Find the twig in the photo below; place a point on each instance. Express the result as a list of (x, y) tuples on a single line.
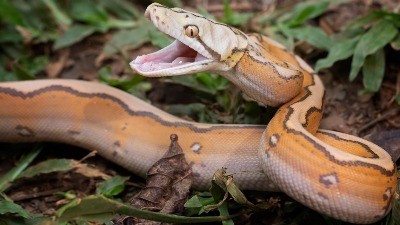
[(24, 196), (384, 116)]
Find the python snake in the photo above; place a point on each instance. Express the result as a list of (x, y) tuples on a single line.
[(336, 174)]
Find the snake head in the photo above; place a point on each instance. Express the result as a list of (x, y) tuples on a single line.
[(201, 44)]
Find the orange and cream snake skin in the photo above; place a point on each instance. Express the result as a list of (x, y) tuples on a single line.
[(336, 174)]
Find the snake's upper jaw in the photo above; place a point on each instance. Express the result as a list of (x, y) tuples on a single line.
[(175, 59)]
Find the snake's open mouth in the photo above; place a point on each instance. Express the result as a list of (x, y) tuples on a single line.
[(175, 56)]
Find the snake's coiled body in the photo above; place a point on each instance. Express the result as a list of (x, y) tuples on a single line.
[(337, 174)]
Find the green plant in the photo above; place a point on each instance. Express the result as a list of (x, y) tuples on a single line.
[(364, 39), (365, 47)]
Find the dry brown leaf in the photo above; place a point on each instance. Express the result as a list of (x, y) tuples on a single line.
[(167, 187), (55, 66), (88, 171)]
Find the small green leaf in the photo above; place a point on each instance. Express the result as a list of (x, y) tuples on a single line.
[(11, 207), (374, 39), (13, 51), (206, 79), (133, 84), (339, 51), (195, 205), (127, 39), (117, 24), (218, 188), (313, 35), (227, 10), (193, 202), (252, 112), (287, 38), (240, 19), (373, 71), (191, 82), (10, 176), (36, 65), (48, 166), (275, 33), (205, 13), (27, 68), (95, 211), (364, 20), (6, 75), (393, 17), (58, 14), (22, 74), (10, 14), (33, 220), (112, 186), (223, 211), (67, 195), (219, 194), (88, 11), (159, 39), (9, 34), (122, 8), (208, 116), (73, 35), (304, 11), (233, 18)]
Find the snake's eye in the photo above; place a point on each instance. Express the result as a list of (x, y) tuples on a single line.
[(191, 31)]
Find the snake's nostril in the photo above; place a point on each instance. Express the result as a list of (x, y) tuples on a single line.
[(147, 14)]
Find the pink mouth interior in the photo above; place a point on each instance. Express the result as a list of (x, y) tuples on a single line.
[(175, 55)]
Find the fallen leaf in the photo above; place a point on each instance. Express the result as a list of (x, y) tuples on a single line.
[(54, 67), (167, 186)]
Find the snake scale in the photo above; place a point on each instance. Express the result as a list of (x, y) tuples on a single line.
[(336, 174)]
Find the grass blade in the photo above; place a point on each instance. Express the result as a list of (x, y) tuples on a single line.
[(9, 13), (74, 35), (58, 14), (374, 39), (127, 39), (313, 35), (6, 179), (339, 51), (10, 207), (373, 71), (305, 11), (48, 166), (364, 20), (96, 206)]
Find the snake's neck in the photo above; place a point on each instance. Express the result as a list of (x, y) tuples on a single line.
[(261, 75)]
